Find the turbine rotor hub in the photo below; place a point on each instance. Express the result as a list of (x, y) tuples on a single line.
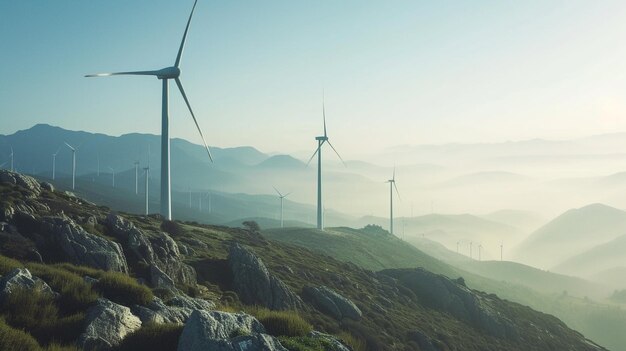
[(168, 73)]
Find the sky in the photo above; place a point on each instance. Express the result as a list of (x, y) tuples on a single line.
[(392, 72)]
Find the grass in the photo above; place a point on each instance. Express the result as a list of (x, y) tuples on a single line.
[(152, 337), (76, 294), (281, 323), (355, 343), (16, 340), (121, 288)]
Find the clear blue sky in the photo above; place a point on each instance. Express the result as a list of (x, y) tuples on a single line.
[(395, 72)]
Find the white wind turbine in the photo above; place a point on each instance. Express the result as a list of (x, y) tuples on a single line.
[(165, 75), (282, 197), (54, 163), (392, 186), (147, 172), (73, 165), (136, 177), (320, 142), (11, 155), (113, 173)]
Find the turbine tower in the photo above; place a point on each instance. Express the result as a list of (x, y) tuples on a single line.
[(470, 250), (392, 185), (136, 177), (165, 75), (12, 157), (320, 142), (147, 171), (54, 163), (282, 197), (73, 165), (113, 172)]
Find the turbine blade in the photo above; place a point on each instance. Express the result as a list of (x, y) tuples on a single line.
[(182, 43), (397, 192), (70, 146), (394, 173), (182, 91), (279, 194), (324, 114), (315, 153), (286, 194), (342, 161), (136, 73)]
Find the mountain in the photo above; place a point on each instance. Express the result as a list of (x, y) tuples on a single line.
[(601, 258), (281, 161), (202, 274), (526, 221), (490, 177), (571, 233)]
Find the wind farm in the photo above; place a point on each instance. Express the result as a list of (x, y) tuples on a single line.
[(500, 122)]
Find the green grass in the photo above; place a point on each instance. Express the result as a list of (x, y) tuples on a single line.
[(153, 337), (16, 340), (281, 323), (123, 289)]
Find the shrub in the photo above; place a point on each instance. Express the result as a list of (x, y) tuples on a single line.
[(16, 340), (281, 323), (76, 294), (153, 337), (65, 329), (172, 228), (123, 289)]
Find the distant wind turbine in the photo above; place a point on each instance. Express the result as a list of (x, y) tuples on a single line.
[(282, 197), (210, 205), (73, 165), (12, 157), (320, 142), (470, 249), (457, 246), (113, 173), (392, 186), (136, 177), (147, 172), (54, 163), (166, 74)]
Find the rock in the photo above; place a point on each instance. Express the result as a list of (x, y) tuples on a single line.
[(83, 248), (29, 183), (256, 285), (423, 341), (332, 303), (158, 312), (89, 280), (219, 331), (107, 325), (327, 339), (47, 186), (21, 278), (194, 303), (159, 250), (159, 279), (449, 296)]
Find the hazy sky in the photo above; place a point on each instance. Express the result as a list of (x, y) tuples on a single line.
[(394, 72)]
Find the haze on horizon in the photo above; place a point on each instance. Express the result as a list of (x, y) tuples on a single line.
[(399, 73)]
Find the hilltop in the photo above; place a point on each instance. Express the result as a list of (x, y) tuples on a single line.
[(202, 274)]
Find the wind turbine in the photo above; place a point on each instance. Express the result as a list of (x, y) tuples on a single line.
[(470, 250), (166, 74), (457, 246), (147, 171), (113, 172), (392, 185), (73, 165), (282, 197), (12, 156), (136, 177), (320, 142), (54, 163)]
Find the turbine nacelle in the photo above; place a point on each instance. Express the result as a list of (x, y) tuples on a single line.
[(168, 73), (322, 138)]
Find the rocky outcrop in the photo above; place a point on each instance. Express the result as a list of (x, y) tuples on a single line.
[(332, 303), (256, 285), (21, 278), (223, 331), (194, 303), (424, 342), (159, 313), (455, 298), (82, 248), (26, 182), (158, 251), (333, 343), (107, 324)]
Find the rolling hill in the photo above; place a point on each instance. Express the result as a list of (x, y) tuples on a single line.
[(601, 258)]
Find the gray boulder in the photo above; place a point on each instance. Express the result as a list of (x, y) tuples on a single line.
[(184, 301), (83, 248), (47, 186), (159, 313), (168, 258), (160, 279), (23, 181), (223, 331), (256, 285), (332, 303), (107, 324), (21, 278)]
